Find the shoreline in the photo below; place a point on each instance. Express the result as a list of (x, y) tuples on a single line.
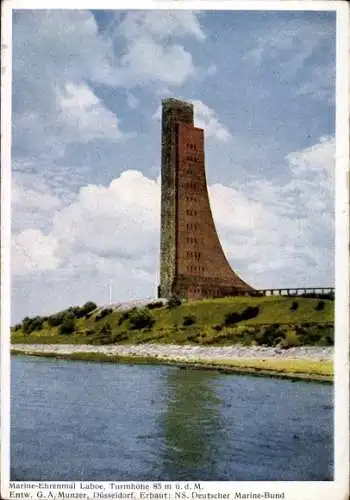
[(298, 363)]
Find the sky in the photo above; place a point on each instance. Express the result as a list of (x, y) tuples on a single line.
[(86, 95)]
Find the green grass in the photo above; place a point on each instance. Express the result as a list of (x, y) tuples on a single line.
[(292, 366), (306, 325)]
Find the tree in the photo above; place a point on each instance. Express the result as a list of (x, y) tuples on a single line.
[(88, 307), (67, 326), (56, 319), (29, 325), (141, 318)]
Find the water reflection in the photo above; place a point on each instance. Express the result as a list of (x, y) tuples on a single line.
[(191, 425), (130, 422)]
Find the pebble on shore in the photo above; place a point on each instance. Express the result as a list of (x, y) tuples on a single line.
[(185, 352)]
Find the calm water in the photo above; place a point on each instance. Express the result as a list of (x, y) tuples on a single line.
[(99, 421)]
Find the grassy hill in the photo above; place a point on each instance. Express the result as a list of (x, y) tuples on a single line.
[(283, 321)]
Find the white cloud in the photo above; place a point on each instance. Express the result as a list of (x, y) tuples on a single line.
[(286, 227), (147, 61), (32, 251), (83, 116), (51, 46), (315, 159), (205, 118), (289, 48), (54, 55), (132, 101), (273, 234), (161, 24), (59, 54), (32, 200), (118, 221), (150, 54), (313, 170), (64, 45), (32, 204), (320, 84), (295, 38)]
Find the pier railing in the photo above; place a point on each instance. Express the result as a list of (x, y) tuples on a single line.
[(326, 292)]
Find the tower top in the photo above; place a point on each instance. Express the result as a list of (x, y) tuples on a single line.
[(174, 110), (171, 102)]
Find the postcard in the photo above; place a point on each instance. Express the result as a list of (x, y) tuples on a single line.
[(175, 250)]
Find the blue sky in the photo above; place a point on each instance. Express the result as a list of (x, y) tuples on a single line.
[(87, 86)]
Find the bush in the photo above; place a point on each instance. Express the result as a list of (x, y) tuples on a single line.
[(324, 342), (26, 325), (155, 305), (106, 330), (278, 341), (231, 318), (313, 337), (90, 331), (140, 318), (75, 310), (119, 337), (67, 326), (17, 327), (56, 319), (291, 340), (83, 311), (320, 305), (218, 328), (189, 320), (302, 330), (88, 307), (104, 335), (329, 296), (174, 302), (103, 313), (313, 295), (193, 337), (294, 305), (125, 315), (30, 325), (249, 313), (268, 335)]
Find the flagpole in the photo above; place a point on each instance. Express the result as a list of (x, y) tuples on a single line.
[(110, 292)]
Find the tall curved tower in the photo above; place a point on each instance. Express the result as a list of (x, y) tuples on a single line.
[(192, 262)]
